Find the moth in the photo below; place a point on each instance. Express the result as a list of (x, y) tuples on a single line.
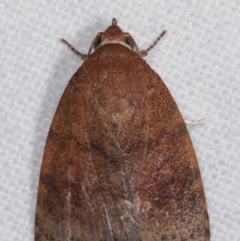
[(119, 164)]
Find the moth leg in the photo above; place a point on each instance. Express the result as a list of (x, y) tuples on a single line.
[(143, 53), (194, 122), (82, 56)]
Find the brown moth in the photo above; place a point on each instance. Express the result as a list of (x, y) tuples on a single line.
[(119, 164)]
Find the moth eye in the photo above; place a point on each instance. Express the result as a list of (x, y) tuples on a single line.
[(97, 42), (130, 42)]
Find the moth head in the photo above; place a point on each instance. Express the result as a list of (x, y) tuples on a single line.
[(114, 34)]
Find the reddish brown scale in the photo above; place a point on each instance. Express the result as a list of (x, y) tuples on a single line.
[(119, 164)]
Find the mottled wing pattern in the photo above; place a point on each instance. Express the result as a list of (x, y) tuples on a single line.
[(119, 163)]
